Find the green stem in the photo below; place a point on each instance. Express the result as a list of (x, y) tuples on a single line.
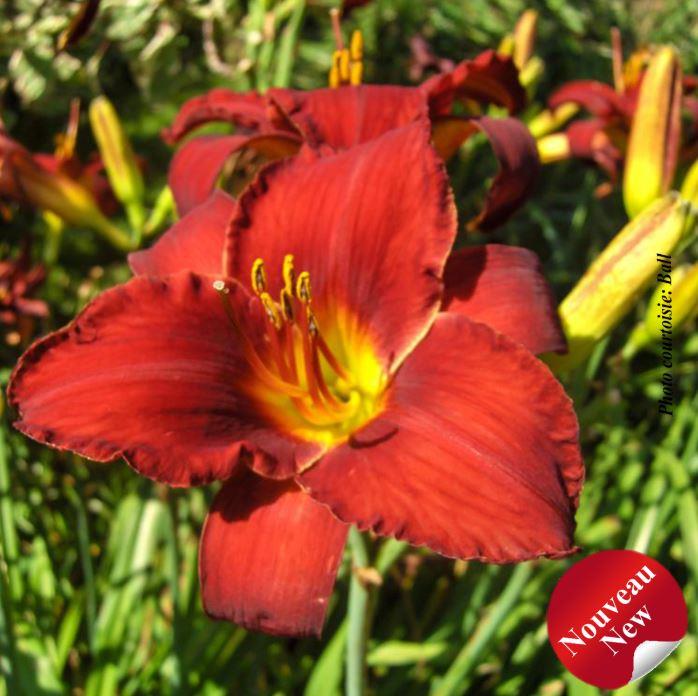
[(113, 234), (358, 618), (136, 218), (83, 534), (10, 543), (162, 212), (455, 680)]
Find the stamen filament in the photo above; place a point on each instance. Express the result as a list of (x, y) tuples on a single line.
[(332, 403), (269, 378)]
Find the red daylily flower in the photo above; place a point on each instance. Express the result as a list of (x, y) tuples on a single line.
[(355, 391), (603, 137), (277, 123)]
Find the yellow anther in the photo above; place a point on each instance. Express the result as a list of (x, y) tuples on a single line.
[(344, 74), (334, 78), (286, 303), (303, 287), (258, 277), (271, 308), (289, 274), (356, 46), (357, 73)]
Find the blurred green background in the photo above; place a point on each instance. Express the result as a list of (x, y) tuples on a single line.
[(98, 576)]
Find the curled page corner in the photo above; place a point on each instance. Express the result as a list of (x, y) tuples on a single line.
[(649, 654)]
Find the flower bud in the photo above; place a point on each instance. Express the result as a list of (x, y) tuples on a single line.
[(525, 38), (616, 279), (655, 133), (119, 161)]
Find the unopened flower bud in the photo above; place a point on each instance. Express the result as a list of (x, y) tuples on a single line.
[(525, 38), (616, 279), (655, 133), (119, 161)]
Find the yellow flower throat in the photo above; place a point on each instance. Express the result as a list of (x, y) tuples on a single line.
[(319, 386)]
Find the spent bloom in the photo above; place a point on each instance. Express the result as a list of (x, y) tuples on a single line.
[(309, 346)]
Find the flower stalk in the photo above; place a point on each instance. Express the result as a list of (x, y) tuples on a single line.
[(358, 617)]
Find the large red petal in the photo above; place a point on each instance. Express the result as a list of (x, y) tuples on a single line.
[(195, 243), (489, 78), (347, 116), (196, 166), (243, 109), (504, 287), (373, 226), (151, 371), (476, 455), (268, 557)]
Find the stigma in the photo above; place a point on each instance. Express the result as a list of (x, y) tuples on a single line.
[(295, 372)]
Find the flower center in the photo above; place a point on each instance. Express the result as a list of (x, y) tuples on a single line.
[(319, 385)]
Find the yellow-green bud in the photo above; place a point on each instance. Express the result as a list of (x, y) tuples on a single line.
[(119, 161), (655, 133), (616, 279)]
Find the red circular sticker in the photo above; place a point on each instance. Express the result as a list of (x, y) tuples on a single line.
[(614, 616)]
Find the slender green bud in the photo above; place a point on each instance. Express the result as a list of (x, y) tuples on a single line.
[(119, 161)]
